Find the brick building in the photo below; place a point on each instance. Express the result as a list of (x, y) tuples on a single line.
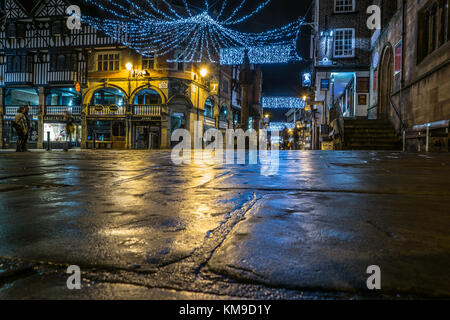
[(410, 69), (342, 55)]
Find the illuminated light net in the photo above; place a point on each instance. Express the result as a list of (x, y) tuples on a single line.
[(282, 103), (190, 35)]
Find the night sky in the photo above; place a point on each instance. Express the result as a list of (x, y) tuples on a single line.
[(279, 79)]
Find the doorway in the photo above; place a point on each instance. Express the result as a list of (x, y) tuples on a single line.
[(386, 83)]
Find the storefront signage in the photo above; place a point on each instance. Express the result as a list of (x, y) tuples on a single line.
[(306, 80), (98, 108), (325, 84), (214, 87), (398, 57), (113, 108), (78, 87), (164, 85)]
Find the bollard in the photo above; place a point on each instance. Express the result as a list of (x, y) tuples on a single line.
[(93, 140), (428, 139), (48, 141)]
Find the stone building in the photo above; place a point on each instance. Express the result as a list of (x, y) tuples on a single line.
[(119, 99), (341, 56), (410, 70)]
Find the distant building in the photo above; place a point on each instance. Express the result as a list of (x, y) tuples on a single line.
[(341, 52)]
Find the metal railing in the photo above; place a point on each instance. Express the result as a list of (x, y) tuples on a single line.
[(12, 110), (62, 110), (146, 110), (399, 116), (210, 122), (106, 110)]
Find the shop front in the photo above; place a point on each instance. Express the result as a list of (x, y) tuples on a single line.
[(14, 99), (146, 120), (62, 107), (106, 120)]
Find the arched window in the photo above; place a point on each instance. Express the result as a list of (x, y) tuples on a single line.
[(108, 97), (223, 116), (147, 97), (209, 108)]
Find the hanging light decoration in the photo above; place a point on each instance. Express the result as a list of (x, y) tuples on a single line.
[(283, 103), (189, 35)]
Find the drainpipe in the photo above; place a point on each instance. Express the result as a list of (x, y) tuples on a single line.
[(402, 79), (403, 42)]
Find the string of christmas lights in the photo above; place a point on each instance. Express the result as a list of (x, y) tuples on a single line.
[(280, 126), (189, 35), (282, 103)]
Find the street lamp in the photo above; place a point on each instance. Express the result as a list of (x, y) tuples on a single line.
[(129, 66), (204, 72)]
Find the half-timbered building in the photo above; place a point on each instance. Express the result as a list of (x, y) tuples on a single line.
[(119, 99)]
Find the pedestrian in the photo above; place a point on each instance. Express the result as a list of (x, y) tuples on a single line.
[(70, 128), (20, 125), (26, 109)]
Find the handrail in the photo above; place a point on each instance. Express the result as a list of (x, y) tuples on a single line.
[(402, 124)]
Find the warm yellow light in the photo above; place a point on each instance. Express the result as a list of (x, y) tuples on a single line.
[(129, 66), (204, 72), (304, 98), (266, 116)]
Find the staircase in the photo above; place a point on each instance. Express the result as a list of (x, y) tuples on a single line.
[(370, 135)]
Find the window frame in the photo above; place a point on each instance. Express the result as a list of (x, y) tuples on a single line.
[(353, 39), (106, 64), (344, 11)]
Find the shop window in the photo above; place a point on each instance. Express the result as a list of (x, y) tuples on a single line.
[(433, 28), (108, 97), (118, 129), (62, 97), (108, 62), (148, 97), (21, 97), (209, 108)]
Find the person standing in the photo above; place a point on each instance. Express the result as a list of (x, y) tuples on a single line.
[(70, 128), (21, 127), (26, 109)]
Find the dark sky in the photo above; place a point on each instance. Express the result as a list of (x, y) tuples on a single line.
[(279, 79)]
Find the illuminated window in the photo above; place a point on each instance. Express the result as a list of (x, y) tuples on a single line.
[(148, 63), (108, 62), (341, 6), (344, 43)]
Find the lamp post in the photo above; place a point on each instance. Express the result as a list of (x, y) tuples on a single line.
[(129, 67)]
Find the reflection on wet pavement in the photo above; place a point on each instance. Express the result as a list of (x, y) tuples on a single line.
[(309, 230)]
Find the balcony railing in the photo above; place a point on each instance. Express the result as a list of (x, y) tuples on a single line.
[(62, 77), (18, 77), (12, 110), (146, 110), (223, 125), (210, 122), (113, 110), (62, 110)]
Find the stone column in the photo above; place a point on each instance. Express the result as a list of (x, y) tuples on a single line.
[(40, 142)]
